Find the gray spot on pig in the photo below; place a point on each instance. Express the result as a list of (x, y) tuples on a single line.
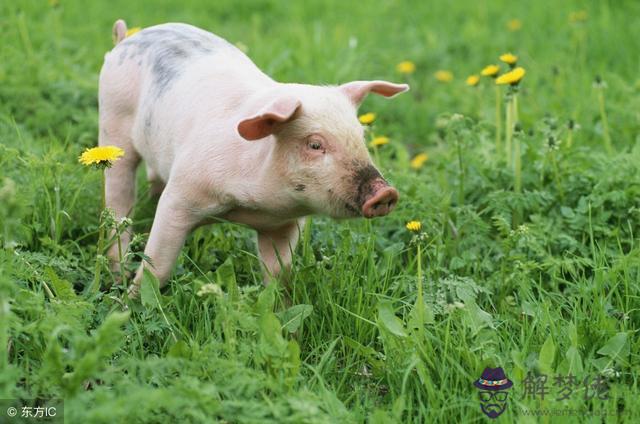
[(168, 50), (166, 66), (148, 120), (122, 56), (366, 173), (300, 187), (362, 178)]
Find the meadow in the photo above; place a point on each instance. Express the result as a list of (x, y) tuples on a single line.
[(525, 261)]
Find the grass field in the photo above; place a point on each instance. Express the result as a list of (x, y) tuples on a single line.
[(534, 270)]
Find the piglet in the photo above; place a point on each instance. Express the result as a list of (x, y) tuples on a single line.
[(222, 141)]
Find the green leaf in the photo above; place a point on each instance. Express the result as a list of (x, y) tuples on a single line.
[(226, 277), (392, 251), (415, 318), (529, 309), (271, 329), (574, 361), (567, 212), (293, 350), (399, 405), (373, 357), (601, 363), (62, 288), (616, 348), (573, 334), (266, 299), (328, 358), (150, 290), (292, 318), (109, 335), (547, 354), (476, 318), (380, 416), (272, 345), (92, 353), (180, 349), (389, 321)]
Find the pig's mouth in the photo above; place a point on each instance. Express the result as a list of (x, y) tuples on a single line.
[(342, 207), (352, 210)]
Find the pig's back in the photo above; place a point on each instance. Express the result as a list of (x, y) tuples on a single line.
[(166, 76), (167, 51)]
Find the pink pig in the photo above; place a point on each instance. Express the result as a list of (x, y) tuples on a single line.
[(222, 140)]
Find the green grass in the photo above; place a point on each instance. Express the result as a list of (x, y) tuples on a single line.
[(542, 281)]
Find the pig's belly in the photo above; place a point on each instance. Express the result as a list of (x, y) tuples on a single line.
[(260, 220)]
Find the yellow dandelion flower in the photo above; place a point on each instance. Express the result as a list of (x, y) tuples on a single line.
[(419, 160), (578, 16), (367, 118), (509, 59), (512, 77), (514, 25), (101, 156), (406, 67), (414, 226), (444, 76), (132, 31), (490, 71), (473, 80), (379, 141)]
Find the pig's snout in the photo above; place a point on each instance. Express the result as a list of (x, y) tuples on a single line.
[(382, 200)]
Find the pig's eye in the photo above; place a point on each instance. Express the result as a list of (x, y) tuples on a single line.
[(315, 145)]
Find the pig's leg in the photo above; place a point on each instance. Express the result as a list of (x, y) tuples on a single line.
[(276, 247), (120, 178), (172, 223)]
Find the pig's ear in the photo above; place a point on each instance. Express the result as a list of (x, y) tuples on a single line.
[(263, 123), (358, 90)]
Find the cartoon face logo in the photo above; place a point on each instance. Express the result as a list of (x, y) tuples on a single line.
[(493, 386)]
